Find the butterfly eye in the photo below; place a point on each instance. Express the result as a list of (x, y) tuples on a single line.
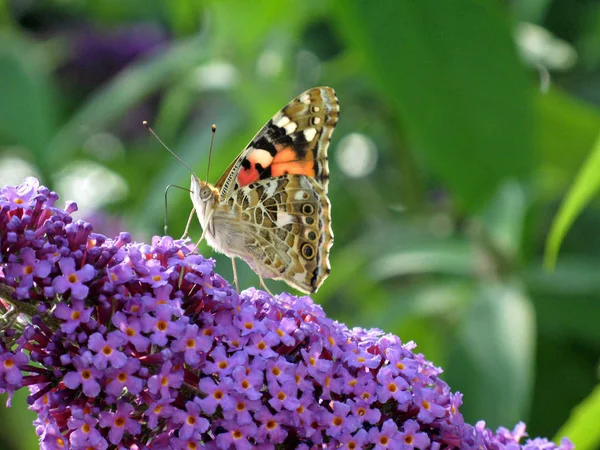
[(205, 193)]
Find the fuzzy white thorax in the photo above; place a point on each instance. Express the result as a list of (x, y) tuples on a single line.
[(223, 232)]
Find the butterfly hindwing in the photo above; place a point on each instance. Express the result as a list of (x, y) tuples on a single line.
[(287, 229)]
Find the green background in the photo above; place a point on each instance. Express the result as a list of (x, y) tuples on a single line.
[(463, 126)]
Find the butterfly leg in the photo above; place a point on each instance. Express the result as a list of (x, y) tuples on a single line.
[(235, 276), (262, 283), (189, 222), (204, 230), (199, 241)]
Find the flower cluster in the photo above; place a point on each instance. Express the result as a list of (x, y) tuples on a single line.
[(127, 345)]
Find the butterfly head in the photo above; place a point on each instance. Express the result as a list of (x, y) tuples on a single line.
[(203, 195)]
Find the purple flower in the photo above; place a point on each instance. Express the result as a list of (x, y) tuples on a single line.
[(131, 328), (411, 438), (364, 413), (237, 436), (216, 395), (285, 396), (120, 274), (85, 433), (223, 364), (162, 296), (72, 279), (246, 321), (429, 410), (167, 380), (190, 420), (387, 437), (402, 364), (271, 429), (157, 276), (85, 375), (392, 387), (261, 345), (20, 196), (284, 330), (107, 350), (72, 315), (280, 370), (362, 359), (339, 421), (123, 377), (162, 325), (248, 382), (30, 267), (160, 409), (10, 368), (244, 410), (360, 439), (119, 422), (314, 363), (192, 343), (167, 355)]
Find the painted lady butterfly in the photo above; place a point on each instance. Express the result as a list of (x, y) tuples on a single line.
[(270, 207)]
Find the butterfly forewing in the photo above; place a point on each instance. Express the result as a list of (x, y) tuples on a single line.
[(294, 141)]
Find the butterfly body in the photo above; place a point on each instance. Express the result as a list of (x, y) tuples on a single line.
[(270, 207)]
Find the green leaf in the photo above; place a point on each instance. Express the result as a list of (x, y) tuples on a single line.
[(584, 187), (493, 362), (451, 72), (131, 86), (503, 219), (184, 15), (565, 123), (26, 116), (15, 423), (559, 297), (452, 258), (582, 427), (531, 10)]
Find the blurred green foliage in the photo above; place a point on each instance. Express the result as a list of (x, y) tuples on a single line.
[(463, 124)]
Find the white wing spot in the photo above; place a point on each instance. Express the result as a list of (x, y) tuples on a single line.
[(284, 219), (305, 99), (316, 120), (300, 195), (316, 109), (290, 127), (300, 278), (282, 121), (310, 133), (270, 190)]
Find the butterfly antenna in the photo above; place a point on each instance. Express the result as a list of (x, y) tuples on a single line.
[(147, 125), (212, 141)]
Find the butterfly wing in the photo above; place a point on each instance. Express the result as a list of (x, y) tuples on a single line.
[(294, 141), (279, 184)]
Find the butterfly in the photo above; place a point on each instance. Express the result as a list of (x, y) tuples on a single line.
[(270, 207)]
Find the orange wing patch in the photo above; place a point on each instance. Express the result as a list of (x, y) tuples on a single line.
[(249, 172), (259, 164), (286, 161)]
